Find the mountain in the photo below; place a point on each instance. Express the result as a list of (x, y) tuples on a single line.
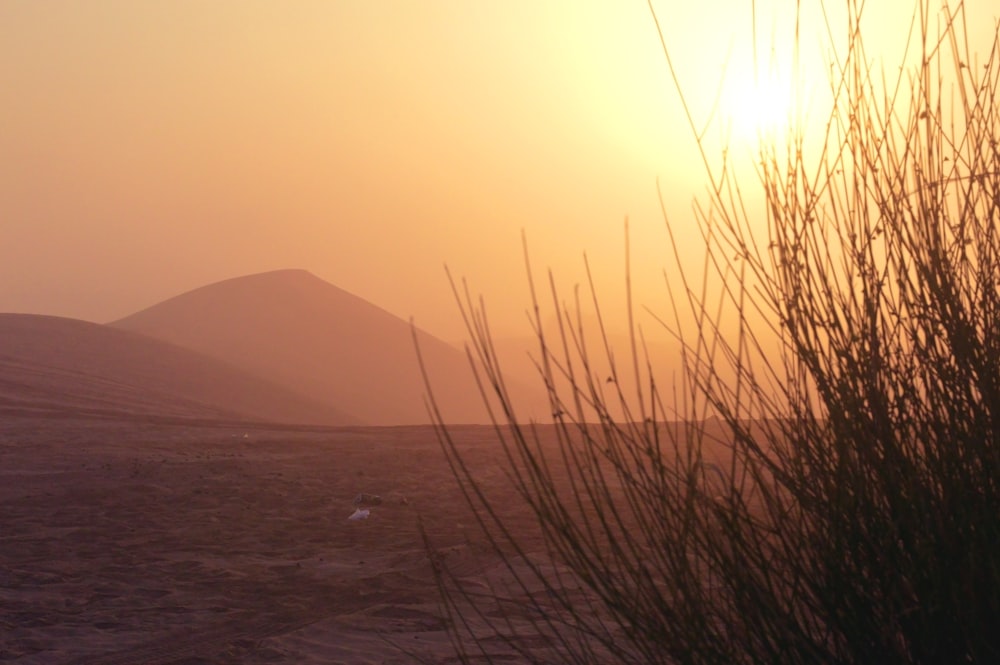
[(295, 330), (56, 366)]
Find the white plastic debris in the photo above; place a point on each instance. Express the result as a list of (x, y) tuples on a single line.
[(359, 514)]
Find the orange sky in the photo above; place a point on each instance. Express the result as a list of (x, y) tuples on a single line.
[(147, 148)]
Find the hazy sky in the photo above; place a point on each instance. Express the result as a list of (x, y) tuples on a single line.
[(147, 148)]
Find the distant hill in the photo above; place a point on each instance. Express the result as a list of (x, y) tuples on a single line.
[(57, 366), (295, 330)]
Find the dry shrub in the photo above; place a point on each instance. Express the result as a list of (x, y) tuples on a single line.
[(841, 505)]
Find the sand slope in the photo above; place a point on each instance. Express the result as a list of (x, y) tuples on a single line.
[(298, 331), (58, 366)]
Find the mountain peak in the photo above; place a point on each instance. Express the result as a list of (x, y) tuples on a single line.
[(307, 335)]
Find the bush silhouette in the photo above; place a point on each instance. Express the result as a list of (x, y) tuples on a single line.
[(841, 503)]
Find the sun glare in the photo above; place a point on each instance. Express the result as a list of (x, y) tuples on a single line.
[(759, 107)]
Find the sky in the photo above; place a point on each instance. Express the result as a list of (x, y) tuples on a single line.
[(149, 148)]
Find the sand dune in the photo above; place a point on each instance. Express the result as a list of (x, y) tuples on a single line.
[(58, 367), (163, 502), (296, 330)]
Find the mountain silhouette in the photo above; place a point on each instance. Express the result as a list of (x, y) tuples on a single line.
[(55, 366), (295, 330)]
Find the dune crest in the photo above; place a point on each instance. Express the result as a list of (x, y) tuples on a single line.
[(57, 366)]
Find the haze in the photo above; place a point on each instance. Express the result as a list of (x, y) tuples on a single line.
[(148, 148)]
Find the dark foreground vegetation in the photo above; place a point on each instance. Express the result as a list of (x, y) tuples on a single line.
[(822, 483)]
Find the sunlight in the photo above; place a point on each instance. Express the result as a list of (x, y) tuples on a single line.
[(768, 78), (757, 107), (761, 107)]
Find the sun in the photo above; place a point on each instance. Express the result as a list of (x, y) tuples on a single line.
[(761, 107)]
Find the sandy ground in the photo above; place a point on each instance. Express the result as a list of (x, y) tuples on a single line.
[(132, 542)]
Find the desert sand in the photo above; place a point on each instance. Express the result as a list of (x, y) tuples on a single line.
[(137, 541), (158, 507)]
